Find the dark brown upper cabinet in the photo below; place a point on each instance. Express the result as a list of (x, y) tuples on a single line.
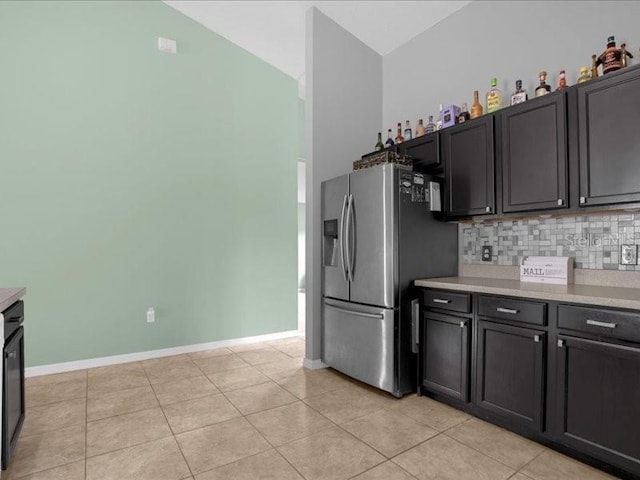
[(468, 153), (608, 141), (425, 151), (533, 156)]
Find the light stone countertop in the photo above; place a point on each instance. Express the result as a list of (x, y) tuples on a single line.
[(8, 296), (619, 297)]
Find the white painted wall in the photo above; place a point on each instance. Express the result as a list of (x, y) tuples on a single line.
[(507, 40), (343, 115)]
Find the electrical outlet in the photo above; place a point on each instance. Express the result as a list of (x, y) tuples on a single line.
[(487, 253), (628, 254), (151, 315)]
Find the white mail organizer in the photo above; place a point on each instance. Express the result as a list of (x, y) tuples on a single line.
[(552, 270)]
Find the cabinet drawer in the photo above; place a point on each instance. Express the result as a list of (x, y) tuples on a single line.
[(446, 300), (510, 309), (600, 321)]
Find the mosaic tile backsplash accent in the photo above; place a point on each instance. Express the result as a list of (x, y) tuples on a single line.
[(594, 240)]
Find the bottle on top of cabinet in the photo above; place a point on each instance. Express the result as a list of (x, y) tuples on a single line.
[(399, 138), (379, 144), (439, 121), (543, 88), (611, 58), (420, 128), (408, 132), (594, 66), (562, 80), (464, 114), (431, 127), (476, 108), (494, 97), (520, 95), (584, 75), (625, 55), (389, 142)]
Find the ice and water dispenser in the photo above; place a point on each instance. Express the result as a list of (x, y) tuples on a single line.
[(330, 246)]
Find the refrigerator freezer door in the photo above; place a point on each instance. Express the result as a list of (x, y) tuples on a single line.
[(359, 341), (371, 225), (335, 281)]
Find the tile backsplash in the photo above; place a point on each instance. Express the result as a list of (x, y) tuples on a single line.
[(593, 240)]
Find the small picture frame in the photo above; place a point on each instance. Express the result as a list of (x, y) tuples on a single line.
[(628, 254)]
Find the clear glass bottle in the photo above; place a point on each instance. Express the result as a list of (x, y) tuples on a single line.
[(389, 142), (439, 121), (584, 75), (476, 108), (562, 80), (408, 133), (494, 97), (520, 95), (431, 127), (399, 138), (379, 144), (464, 114), (543, 88), (420, 128)]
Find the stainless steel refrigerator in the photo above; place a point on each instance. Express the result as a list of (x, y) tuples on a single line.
[(380, 231)]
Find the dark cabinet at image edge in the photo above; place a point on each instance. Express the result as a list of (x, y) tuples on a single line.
[(608, 142)]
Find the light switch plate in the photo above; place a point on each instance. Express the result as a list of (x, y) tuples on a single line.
[(628, 254)]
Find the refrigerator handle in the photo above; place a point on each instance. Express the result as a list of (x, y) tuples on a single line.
[(415, 325), (342, 239), (350, 244)]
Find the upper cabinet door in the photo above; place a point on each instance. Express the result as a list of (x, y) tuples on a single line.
[(534, 155), (609, 145), (469, 162), (424, 150)]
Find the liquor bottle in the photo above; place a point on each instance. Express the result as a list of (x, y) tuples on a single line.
[(389, 142), (399, 138), (408, 133), (625, 55), (464, 114), (584, 75), (594, 66), (519, 95), (611, 58), (431, 127), (543, 88), (494, 97), (420, 128), (562, 80), (379, 145), (476, 108), (439, 121)]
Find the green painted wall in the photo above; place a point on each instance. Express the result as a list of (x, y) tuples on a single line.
[(134, 178)]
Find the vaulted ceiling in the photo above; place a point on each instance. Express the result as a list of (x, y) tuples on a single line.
[(274, 30)]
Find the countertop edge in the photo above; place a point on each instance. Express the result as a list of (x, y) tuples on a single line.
[(8, 296), (532, 294)]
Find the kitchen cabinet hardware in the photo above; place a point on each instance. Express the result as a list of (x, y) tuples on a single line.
[(441, 300), (512, 311), (463, 324), (536, 338), (596, 323), (560, 202), (583, 200)]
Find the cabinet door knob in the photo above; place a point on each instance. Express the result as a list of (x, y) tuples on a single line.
[(560, 202), (463, 324), (560, 343), (583, 200), (488, 209), (536, 338)]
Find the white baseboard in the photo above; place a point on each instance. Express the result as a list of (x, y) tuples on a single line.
[(314, 364), (165, 352)]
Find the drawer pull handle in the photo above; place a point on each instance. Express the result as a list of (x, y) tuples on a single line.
[(440, 300), (512, 311), (596, 323)]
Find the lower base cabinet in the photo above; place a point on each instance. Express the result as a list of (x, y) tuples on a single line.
[(511, 373), (599, 399), (445, 365)]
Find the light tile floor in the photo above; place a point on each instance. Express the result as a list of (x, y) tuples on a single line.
[(252, 412)]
